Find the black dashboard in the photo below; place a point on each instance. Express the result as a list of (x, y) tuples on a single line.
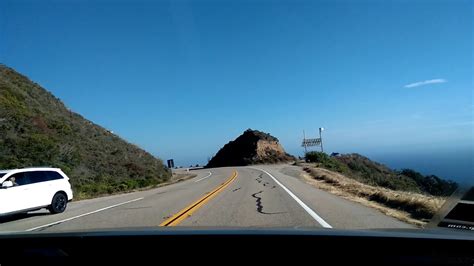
[(249, 246)]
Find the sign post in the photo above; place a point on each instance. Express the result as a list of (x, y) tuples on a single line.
[(321, 138), (170, 163), (304, 143), (312, 142)]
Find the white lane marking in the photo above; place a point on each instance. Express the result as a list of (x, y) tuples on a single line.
[(82, 215), (203, 177), (300, 202)]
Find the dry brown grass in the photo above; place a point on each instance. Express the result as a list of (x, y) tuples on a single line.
[(409, 207)]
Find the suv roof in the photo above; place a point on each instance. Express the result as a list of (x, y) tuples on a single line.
[(29, 169)]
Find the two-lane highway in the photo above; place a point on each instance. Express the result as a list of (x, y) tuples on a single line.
[(257, 196)]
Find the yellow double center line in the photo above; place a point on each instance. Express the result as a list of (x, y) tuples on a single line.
[(188, 211)]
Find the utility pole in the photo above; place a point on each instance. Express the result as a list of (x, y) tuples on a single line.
[(304, 143), (321, 138)]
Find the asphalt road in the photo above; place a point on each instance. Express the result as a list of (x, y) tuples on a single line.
[(257, 196)]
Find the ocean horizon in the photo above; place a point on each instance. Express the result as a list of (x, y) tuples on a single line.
[(455, 166)]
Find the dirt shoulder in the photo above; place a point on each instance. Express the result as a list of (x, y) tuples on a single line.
[(178, 177), (413, 208)]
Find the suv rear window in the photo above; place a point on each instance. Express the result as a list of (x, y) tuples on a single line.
[(43, 176), (51, 175)]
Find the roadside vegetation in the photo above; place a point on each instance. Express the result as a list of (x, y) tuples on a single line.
[(364, 170), (103, 188), (37, 129), (405, 194)]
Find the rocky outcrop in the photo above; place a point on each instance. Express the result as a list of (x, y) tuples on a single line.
[(252, 147)]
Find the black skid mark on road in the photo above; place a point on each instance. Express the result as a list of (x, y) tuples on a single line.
[(236, 189), (260, 205), (173, 190), (259, 202), (46, 227), (137, 208)]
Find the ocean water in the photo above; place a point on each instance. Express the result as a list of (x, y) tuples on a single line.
[(453, 165)]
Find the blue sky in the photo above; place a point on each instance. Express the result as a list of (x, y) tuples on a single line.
[(388, 79)]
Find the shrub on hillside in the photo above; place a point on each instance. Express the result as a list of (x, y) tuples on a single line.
[(325, 161), (431, 184)]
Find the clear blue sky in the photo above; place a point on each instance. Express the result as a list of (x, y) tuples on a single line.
[(388, 79)]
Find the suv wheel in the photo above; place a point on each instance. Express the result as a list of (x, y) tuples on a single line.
[(59, 203)]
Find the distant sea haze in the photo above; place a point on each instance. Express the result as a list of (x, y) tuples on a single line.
[(456, 166)]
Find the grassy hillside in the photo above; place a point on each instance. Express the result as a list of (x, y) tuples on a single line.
[(364, 170), (37, 129)]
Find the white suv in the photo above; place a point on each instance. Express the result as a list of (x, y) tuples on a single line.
[(29, 189)]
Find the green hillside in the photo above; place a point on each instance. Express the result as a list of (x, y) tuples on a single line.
[(364, 170), (37, 129)]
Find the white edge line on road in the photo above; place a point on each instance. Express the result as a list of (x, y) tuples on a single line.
[(300, 202), (203, 177), (82, 215)]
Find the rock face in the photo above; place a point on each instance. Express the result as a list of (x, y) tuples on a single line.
[(252, 147)]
